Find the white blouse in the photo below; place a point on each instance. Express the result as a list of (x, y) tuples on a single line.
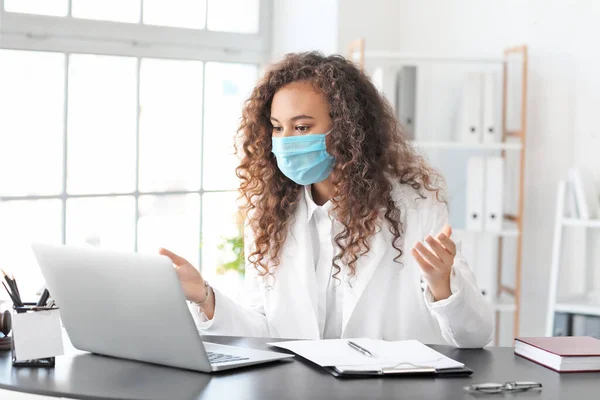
[(385, 300), (330, 299)]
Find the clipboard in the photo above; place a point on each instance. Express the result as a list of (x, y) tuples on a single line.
[(400, 372)]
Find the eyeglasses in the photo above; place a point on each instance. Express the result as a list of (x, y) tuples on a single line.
[(506, 387)]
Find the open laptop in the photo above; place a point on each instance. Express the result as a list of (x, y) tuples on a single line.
[(132, 306)]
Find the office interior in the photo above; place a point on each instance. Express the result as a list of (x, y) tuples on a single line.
[(117, 121)]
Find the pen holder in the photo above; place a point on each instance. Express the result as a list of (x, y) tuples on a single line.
[(36, 336)]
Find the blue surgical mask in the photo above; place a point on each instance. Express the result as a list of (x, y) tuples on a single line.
[(303, 159)]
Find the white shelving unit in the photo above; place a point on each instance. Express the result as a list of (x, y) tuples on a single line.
[(448, 145), (590, 223), (585, 303), (421, 58), (510, 230), (578, 305), (504, 304), (506, 298)]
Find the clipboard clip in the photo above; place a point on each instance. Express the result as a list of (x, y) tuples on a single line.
[(413, 369)]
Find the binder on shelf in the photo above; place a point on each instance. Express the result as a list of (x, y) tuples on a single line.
[(475, 192), (494, 185), (586, 325), (384, 79), (406, 99), (470, 126), (491, 130)]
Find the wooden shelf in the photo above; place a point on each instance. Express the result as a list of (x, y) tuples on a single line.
[(589, 223), (452, 145), (510, 232), (503, 304), (432, 58), (578, 305)]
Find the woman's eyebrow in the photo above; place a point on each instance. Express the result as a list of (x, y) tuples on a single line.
[(297, 117)]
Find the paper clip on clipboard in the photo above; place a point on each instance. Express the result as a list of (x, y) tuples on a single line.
[(412, 369)]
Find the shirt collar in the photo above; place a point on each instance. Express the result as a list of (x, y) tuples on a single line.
[(311, 206)]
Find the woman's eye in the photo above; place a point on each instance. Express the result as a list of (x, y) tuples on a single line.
[(277, 129), (302, 128)]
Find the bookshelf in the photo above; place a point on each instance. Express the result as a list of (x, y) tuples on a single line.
[(506, 298)]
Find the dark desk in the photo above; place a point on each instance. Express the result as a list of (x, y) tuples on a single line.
[(88, 376)]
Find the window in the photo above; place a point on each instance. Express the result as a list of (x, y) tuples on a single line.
[(116, 126)]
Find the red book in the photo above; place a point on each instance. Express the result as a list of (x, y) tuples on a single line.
[(562, 353)]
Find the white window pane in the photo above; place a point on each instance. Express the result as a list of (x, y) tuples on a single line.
[(177, 13), (233, 15), (31, 122), (23, 222), (170, 125), (227, 87), (57, 8), (172, 222), (102, 222), (101, 124), (222, 225), (108, 10)]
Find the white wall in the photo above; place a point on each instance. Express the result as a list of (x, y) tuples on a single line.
[(563, 100), (304, 25)]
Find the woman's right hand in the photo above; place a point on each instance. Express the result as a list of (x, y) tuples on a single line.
[(191, 282)]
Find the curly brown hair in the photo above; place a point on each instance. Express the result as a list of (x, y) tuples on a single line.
[(370, 152)]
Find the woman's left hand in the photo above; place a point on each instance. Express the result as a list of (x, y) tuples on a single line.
[(436, 264)]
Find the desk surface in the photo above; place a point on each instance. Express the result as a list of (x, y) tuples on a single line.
[(88, 376)]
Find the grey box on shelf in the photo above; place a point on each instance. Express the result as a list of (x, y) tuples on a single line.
[(586, 325), (563, 323)]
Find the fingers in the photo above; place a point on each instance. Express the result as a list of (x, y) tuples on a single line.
[(448, 243), (431, 258), (447, 230), (440, 251), (425, 266), (178, 261)]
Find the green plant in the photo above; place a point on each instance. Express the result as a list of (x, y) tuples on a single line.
[(233, 245), (233, 249)]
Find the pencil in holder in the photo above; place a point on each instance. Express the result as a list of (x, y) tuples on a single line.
[(36, 336)]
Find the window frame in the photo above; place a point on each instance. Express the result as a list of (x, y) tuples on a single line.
[(74, 35), (68, 35)]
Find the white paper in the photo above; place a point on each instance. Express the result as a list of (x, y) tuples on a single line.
[(336, 352), (37, 334), (12, 395)]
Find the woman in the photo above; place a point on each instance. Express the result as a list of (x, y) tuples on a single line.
[(347, 231)]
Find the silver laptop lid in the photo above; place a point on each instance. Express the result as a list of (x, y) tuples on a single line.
[(122, 304)]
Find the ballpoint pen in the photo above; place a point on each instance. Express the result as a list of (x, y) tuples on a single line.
[(359, 348)]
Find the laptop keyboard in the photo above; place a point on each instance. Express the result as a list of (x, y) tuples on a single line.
[(217, 358)]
